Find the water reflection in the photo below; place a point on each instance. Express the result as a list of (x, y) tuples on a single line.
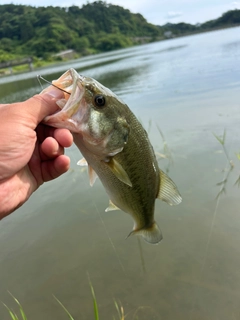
[(171, 48), (114, 79)]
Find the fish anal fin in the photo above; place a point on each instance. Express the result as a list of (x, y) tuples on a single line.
[(92, 175), (168, 191), (150, 234), (118, 171), (82, 162), (111, 207)]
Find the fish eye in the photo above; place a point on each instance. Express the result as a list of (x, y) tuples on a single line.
[(99, 100)]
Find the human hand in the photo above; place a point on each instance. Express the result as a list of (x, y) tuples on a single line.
[(31, 153)]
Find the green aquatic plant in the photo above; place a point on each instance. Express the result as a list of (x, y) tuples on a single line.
[(223, 183), (120, 311), (95, 306), (238, 155), (237, 183), (221, 140), (64, 308), (12, 314), (23, 316), (119, 308)]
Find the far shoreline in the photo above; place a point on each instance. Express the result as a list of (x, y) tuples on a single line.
[(71, 61)]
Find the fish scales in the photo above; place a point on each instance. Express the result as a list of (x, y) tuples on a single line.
[(116, 148), (139, 161)]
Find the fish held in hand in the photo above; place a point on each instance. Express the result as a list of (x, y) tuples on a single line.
[(115, 148)]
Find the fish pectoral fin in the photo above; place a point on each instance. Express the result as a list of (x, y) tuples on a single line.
[(150, 234), (168, 191), (92, 175), (82, 162), (118, 171), (111, 207)]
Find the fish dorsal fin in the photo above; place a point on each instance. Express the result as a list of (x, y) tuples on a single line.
[(92, 175), (118, 171), (111, 207), (168, 191), (82, 162)]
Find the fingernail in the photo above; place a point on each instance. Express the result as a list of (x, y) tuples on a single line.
[(54, 92)]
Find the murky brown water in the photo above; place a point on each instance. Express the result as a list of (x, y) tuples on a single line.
[(189, 87)]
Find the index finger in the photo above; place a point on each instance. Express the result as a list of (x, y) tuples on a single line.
[(63, 136)]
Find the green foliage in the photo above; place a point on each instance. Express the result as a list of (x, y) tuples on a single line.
[(96, 27), (5, 56), (238, 155), (81, 44), (228, 19), (109, 42), (44, 31), (221, 139), (95, 306), (12, 314), (180, 28), (65, 309)]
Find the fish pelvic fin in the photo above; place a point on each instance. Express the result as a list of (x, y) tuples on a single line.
[(118, 171), (92, 175), (111, 207), (150, 234), (82, 162), (168, 191)]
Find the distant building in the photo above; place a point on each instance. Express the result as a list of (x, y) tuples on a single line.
[(141, 40), (168, 34)]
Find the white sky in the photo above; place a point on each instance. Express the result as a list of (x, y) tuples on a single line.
[(156, 11)]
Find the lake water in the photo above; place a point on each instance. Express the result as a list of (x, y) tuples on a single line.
[(189, 88)]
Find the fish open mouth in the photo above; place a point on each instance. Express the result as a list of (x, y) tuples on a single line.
[(69, 83), (71, 113)]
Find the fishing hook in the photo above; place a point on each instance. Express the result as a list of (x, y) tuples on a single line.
[(40, 77)]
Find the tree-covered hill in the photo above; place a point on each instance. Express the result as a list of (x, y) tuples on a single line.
[(228, 19), (95, 27)]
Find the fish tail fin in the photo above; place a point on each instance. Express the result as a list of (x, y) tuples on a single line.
[(150, 234)]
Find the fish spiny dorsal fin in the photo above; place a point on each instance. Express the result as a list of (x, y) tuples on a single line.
[(82, 162), (92, 175), (111, 207), (118, 171), (150, 234), (168, 191)]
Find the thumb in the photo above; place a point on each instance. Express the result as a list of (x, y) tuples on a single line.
[(43, 104)]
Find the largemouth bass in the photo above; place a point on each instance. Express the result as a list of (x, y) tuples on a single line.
[(116, 148)]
